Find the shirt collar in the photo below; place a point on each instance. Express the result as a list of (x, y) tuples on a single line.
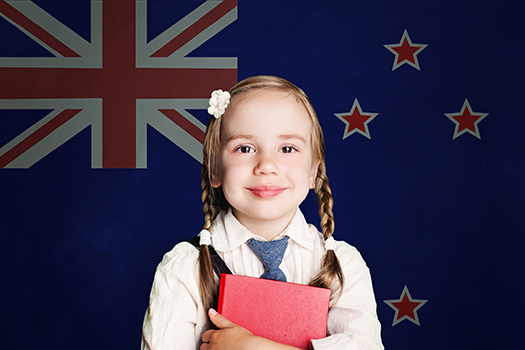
[(228, 233)]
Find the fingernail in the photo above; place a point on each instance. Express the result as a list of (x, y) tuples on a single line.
[(213, 312)]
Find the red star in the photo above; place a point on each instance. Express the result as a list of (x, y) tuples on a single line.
[(466, 120), (406, 52), (356, 120), (405, 307)]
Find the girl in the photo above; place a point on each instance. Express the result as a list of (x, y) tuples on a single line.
[(263, 152)]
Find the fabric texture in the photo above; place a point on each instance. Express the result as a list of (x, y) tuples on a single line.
[(176, 319), (271, 254)]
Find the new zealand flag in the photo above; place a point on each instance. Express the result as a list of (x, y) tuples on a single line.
[(102, 119)]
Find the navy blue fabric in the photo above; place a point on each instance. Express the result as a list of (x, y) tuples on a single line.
[(271, 254)]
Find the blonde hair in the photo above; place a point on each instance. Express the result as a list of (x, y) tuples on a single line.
[(213, 199)]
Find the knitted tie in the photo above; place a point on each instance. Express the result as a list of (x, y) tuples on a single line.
[(271, 254)]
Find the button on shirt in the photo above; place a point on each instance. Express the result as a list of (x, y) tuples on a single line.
[(176, 318)]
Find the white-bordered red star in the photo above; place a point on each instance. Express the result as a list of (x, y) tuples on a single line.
[(356, 120), (466, 120), (405, 307), (406, 52)]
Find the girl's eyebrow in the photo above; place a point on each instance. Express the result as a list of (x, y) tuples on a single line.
[(283, 137), (235, 137), (292, 136)]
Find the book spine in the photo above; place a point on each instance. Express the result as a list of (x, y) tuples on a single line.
[(221, 292)]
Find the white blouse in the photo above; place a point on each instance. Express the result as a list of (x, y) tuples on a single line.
[(176, 318)]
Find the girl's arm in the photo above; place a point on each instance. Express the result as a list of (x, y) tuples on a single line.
[(352, 321), (173, 320), (230, 336)]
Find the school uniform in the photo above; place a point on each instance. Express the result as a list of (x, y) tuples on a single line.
[(176, 318)]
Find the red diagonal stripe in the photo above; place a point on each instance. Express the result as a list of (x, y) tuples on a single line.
[(37, 136), (196, 28), (37, 31), (184, 123)]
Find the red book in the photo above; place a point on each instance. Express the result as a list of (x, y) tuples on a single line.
[(287, 313)]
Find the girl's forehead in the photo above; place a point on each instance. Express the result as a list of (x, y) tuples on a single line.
[(261, 94), (266, 107)]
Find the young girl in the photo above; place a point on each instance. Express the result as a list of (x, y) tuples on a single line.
[(263, 152)]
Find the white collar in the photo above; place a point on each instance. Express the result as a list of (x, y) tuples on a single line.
[(228, 233)]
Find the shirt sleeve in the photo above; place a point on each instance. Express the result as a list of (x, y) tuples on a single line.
[(352, 320), (172, 318)]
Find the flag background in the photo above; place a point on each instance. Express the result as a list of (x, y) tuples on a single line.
[(443, 217)]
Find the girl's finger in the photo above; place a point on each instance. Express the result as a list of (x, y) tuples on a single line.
[(206, 336), (219, 320)]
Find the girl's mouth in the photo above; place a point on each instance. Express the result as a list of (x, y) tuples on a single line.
[(266, 191)]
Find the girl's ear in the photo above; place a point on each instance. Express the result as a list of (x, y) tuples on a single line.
[(313, 174), (215, 179)]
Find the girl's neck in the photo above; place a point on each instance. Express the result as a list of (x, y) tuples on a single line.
[(267, 229)]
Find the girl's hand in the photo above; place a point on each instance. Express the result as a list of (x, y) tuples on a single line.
[(229, 335)]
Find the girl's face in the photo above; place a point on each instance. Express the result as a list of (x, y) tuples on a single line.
[(266, 167)]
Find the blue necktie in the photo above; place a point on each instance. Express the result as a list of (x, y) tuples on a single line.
[(271, 254)]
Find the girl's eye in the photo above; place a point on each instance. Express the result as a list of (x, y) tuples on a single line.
[(245, 149), (288, 149)]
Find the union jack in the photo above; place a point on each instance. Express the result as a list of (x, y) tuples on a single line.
[(117, 84)]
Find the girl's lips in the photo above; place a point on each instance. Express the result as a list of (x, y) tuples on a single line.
[(266, 191)]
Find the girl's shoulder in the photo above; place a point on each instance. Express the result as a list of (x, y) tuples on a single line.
[(183, 254), (176, 278), (344, 247), (351, 260), (341, 247), (346, 253)]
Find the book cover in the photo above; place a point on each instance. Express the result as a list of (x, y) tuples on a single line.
[(284, 312)]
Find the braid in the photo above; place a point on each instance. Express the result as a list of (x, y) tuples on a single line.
[(206, 279), (325, 201), (330, 266), (207, 199), (207, 287)]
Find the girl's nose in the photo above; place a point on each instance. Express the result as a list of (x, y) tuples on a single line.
[(266, 164)]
